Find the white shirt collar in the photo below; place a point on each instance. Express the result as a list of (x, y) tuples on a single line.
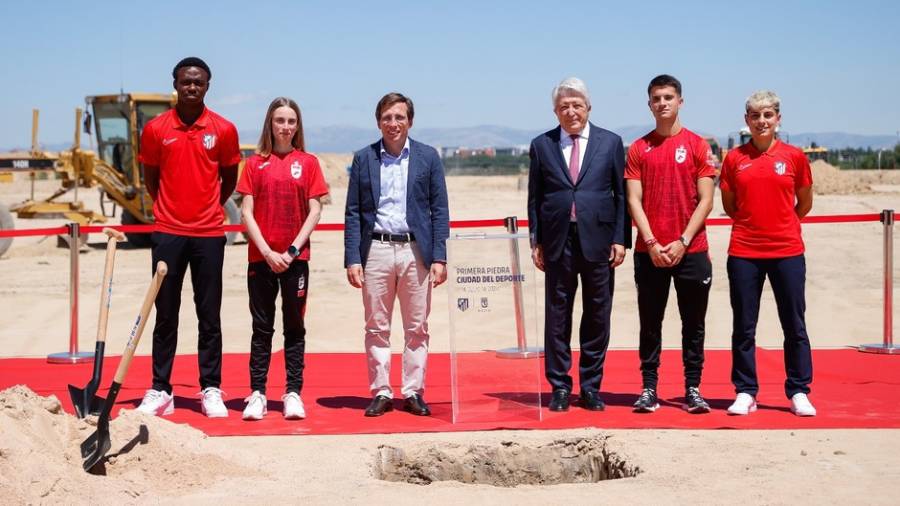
[(404, 151)]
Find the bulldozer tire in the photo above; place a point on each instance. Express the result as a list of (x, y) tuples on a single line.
[(6, 223), (232, 217), (135, 240)]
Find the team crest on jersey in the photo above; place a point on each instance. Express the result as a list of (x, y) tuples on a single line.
[(209, 141), (296, 170), (780, 168), (680, 154)]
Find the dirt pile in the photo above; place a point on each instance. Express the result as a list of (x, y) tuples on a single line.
[(40, 457), (334, 168), (829, 180)]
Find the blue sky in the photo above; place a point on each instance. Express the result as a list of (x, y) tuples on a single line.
[(464, 63)]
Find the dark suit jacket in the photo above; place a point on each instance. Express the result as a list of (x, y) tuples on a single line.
[(427, 210), (599, 195)]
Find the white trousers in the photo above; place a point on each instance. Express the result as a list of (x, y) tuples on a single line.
[(394, 271)]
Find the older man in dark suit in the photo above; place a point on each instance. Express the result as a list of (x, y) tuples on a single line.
[(395, 248), (579, 228)]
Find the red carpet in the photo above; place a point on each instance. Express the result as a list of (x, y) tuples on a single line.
[(851, 390)]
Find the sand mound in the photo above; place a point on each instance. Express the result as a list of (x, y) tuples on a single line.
[(334, 168), (40, 458), (829, 180)]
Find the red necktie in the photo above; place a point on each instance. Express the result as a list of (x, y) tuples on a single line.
[(574, 166)]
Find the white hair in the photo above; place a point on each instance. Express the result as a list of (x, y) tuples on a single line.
[(571, 86), (761, 99)]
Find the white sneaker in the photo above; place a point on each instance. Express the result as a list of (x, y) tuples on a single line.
[(293, 406), (256, 406), (801, 406), (157, 403), (211, 403), (744, 404)]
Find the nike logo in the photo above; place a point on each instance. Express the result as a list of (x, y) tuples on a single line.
[(707, 280), (744, 166), (166, 142), (647, 150)]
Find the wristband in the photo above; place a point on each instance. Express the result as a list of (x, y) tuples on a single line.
[(650, 242)]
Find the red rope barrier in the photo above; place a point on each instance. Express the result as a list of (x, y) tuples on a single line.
[(333, 227), (33, 231)]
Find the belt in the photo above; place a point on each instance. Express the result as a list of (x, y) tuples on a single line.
[(407, 237)]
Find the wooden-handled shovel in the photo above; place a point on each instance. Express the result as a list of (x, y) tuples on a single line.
[(94, 448), (85, 400)]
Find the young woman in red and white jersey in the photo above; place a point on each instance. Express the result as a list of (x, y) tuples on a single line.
[(282, 187)]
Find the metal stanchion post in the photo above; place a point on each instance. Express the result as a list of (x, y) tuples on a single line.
[(522, 350), (73, 356), (887, 347)]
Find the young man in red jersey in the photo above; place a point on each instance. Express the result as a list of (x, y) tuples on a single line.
[(190, 156), (670, 184)]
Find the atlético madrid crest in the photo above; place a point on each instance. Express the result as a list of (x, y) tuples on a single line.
[(780, 168), (680, 154), (209, 141), (296, 170)]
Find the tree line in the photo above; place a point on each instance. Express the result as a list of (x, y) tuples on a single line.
[(865, 158)]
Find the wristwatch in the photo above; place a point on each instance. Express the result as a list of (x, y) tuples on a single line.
[(293, 252), (684, 241)]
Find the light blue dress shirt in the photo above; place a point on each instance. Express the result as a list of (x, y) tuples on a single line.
[(391, 215)]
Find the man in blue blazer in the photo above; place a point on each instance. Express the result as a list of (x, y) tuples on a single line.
[(579, 228), (396, 225)]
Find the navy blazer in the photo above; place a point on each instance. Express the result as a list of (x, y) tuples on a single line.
[(427, 212), (599, 195)]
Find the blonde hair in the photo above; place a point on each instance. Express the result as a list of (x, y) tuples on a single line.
[(267, 137), (761, 99)]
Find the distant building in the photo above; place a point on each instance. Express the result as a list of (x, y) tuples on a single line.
[(464, 152), (512, 151), (448, 152), (490, 151)]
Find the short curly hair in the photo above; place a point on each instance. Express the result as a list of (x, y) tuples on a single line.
[(192, 61)]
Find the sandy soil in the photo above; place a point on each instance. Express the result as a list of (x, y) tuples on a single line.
[(38, 462)]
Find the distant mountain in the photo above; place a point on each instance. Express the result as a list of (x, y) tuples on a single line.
[(346, 139), (838, 140), (339, 139)]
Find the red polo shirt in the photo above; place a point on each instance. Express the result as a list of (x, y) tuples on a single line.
[(189, 158), (668, 169), (765, 187), (281, 186)]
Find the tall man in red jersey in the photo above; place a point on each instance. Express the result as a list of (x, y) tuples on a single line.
[(190, 156), (669, 177)]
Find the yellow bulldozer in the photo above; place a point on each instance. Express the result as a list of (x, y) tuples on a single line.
[(117, 122)]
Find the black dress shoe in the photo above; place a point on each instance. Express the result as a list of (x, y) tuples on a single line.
[(380, 405), (560, 400), (591, 401), (415, 404)]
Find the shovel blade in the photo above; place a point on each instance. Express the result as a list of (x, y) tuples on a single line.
[(85, 401), (94, 448), (78, 401), (97, 403)]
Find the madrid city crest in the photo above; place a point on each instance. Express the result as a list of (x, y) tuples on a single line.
[(680, 154)]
